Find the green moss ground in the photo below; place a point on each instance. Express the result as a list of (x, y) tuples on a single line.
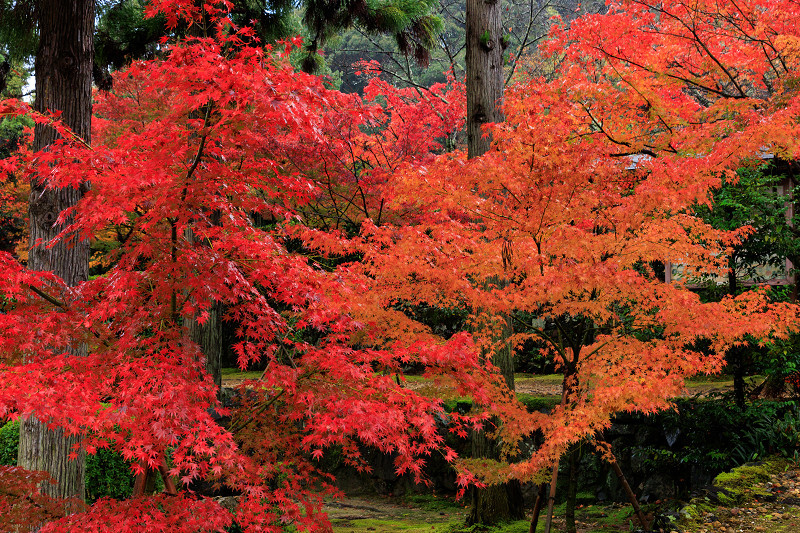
[(429, 514), (742, 487), (739, 485)]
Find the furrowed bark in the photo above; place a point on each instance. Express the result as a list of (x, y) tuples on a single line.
[(63, 82)]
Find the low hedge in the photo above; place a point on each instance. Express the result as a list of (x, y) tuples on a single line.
[(107, 473)]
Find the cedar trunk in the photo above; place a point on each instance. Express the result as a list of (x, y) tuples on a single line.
[(484, 58), (209, 337), (497, 503), (63, 82), (209, 334), (484, 64)]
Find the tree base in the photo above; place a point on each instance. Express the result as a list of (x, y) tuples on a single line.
[(497, 503)]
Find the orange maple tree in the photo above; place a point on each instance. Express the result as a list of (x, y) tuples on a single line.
[(590, 182)]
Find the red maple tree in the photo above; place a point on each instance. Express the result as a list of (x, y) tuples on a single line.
[(204, 161)]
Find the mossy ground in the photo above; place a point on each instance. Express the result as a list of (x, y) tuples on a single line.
[(764, 498), (761, 497), (741, 484), (429, 514)]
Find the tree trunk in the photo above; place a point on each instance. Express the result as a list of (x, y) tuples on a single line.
[(568, 387), (484, 65), (497, 503), (736, 358), (541, 495), (604, 449), (484, 58), (732, 285), (551, 499), (736, 354), (572, 488), (209, 337), (64, 83)]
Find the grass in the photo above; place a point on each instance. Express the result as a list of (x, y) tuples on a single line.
[(538, 403), (414, 513), (235, 373), (430, 502), (598, 519)]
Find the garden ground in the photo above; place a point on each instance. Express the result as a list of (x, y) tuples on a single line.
[(768, 502), (536, 385), (771, 505)]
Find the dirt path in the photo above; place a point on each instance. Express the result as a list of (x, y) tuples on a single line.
[(388, 509), (540, 386), (536, 387)]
